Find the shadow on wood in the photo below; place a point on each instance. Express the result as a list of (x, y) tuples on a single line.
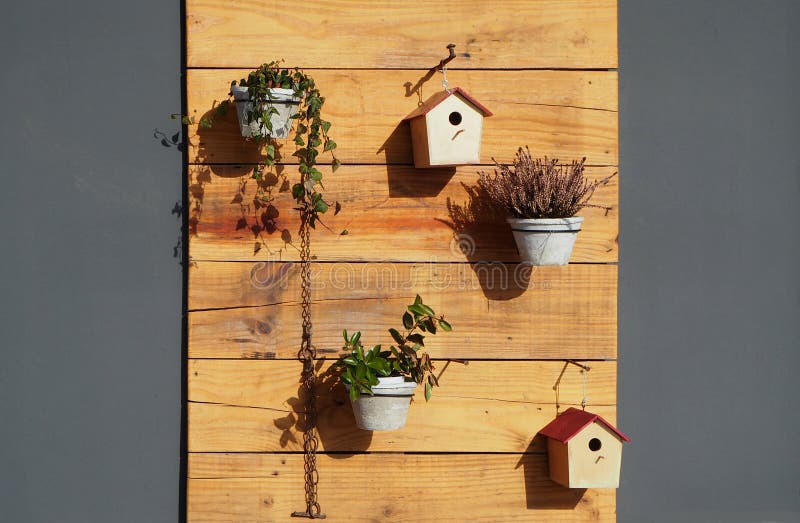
[(409, 183), (541, 493), (475, 219), (336, 417)]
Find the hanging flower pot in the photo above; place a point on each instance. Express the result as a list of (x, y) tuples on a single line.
[(281, 105), (545, 241), (542, 197), (387, 407), (382, 382)]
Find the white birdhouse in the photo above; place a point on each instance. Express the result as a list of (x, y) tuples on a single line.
[(584, 450), (446, 129)]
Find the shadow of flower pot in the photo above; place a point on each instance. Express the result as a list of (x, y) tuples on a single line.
[(474, 222), (336, 425)]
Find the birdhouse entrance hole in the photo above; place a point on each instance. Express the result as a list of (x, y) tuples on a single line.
[(455, 118), (595, 444)]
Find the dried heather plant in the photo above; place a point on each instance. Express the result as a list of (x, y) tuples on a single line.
[(540, 187)]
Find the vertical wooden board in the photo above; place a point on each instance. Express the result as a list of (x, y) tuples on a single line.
[(390, 34), (389, 213), (479, 488), (561, 312), (562, 114)]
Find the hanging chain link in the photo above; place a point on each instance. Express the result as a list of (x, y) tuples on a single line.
[(306, 355)]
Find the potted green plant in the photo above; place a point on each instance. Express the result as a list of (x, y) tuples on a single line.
[(381, 382), (543, 198), (268, 101)]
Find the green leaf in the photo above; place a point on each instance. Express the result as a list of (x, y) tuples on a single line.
[(349, 361), (329, 145), (416, 309), (298, 191), (445, 326), (417, 300), (396, 335), (270, 150), (428, 391), (381, 366), (299, 140), (344, 332), (321, 206), (315, 175), (354, 338), (408, 320), (335, 164), (426, 310), (326, 126), (430, 325), (416, 338), (354, 392)]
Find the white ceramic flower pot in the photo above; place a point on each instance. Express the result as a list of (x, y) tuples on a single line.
[(545, 241), (282, 99), (387, 408)]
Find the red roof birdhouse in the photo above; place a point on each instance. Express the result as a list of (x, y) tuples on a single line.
[(584, 450)]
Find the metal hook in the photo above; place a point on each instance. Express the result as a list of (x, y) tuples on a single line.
[(584, 367), (445, 61)]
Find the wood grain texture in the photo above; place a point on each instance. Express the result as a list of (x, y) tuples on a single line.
[(558, 313), (389, 213), (484, 406), (563, 114), (493, 488), (345, 34), (271, 384)]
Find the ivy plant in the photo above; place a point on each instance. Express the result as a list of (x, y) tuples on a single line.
[(311, 132), (360, 368)]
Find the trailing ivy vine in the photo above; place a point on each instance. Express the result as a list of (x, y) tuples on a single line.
[(311, 133)]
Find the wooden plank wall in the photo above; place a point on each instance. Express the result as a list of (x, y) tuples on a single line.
[(547, 69)]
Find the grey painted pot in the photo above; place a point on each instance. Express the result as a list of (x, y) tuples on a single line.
[(387, 408), (282, 99), (545, 241)]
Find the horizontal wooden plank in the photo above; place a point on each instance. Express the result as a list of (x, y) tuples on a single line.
[(270, 384), (484, 406), (389, 213), (452, 425), (564, 114), (454, 488), (555, 33), (556, 312)]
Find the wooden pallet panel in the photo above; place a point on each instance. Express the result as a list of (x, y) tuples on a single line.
[(480, 488), (389, 213), (563, 114), (388, 34), (562, 312)]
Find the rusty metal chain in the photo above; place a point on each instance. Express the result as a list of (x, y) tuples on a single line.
[(307, 354)]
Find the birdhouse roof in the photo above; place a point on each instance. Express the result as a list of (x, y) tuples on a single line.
[(440, 97), (572, 421)]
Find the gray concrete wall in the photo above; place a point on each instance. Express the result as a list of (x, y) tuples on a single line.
[(91, 291), (709, 287)]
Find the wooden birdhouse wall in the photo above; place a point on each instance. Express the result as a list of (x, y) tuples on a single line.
[(547, 70)]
